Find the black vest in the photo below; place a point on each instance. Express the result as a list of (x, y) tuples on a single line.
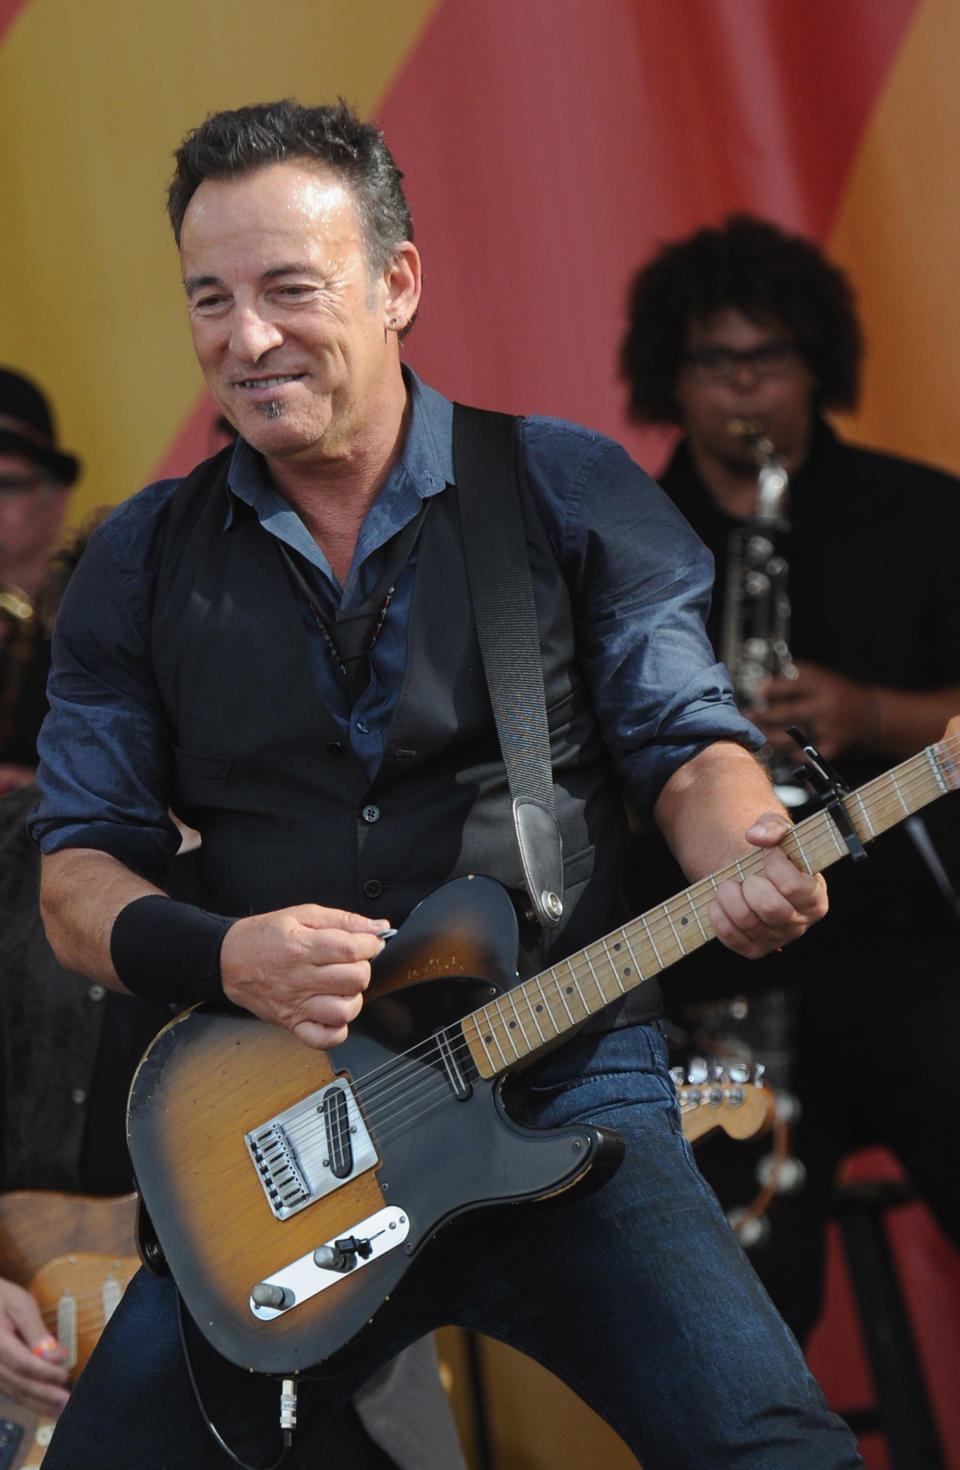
[(261, 768)]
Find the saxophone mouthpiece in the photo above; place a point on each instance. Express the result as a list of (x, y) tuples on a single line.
[(745, 428)]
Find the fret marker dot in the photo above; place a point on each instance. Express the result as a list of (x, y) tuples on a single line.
[(684, 921)]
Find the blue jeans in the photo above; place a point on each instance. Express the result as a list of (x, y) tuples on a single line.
[(637, 1295)]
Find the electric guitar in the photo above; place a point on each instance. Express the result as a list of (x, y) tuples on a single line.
[(291, 1189), (76, 1254)]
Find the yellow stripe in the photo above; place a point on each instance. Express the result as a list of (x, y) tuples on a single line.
[(898, 235), (95, 98)]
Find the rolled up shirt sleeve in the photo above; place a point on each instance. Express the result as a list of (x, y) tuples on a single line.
[(641, 581), (105, 772)]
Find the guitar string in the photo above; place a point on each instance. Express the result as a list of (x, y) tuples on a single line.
[(821, 846)]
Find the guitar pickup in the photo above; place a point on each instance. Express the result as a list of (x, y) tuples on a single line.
[(311, 1148)]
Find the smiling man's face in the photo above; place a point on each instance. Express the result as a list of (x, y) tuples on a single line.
[(290, 325)]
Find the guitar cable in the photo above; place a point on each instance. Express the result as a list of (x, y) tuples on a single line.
[(288, 1408)]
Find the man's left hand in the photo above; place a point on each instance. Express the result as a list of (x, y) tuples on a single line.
[(769, 908)]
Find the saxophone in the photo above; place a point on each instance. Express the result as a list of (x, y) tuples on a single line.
[(756, 615), (759, 1030)]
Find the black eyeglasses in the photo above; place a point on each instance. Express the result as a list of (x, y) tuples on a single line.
[(721, 364)]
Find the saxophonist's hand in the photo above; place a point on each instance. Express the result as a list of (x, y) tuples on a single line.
[(833, 711)]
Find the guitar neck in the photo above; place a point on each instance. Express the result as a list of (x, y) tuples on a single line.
[(538, 1012)]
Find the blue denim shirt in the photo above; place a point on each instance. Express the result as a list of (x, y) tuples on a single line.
[(640, 582)]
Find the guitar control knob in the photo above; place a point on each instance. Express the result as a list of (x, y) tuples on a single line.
[(342, 1255), (333, 1258), (268, 1294)]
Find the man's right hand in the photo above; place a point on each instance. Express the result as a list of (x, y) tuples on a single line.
[(305, 968), (31, 1364)]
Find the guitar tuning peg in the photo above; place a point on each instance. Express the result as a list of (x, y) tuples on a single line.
[(750, 1230), (788, 1108), (677, 1076), (738, 1072), (697, 1071), (786, 1176)]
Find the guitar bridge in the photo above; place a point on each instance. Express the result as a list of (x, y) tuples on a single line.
[(310, 1149)]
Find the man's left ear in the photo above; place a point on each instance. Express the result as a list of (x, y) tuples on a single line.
[(404, 279)]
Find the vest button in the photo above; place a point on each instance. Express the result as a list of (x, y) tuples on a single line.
[(335, 747), (371, 813), (373, 888)]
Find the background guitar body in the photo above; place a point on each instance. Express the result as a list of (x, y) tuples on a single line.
[(212, 1076), (76, 1253)]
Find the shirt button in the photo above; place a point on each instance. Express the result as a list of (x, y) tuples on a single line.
[(373, 888), (371, 814), (335, 748), (96, 992), (79, 1095), (363, 727)]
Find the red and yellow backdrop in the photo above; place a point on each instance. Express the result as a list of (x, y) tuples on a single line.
[(549, 146)]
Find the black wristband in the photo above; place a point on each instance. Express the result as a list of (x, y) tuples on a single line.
[(166, 950)]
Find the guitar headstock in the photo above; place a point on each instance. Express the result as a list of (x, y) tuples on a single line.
[(732, 1098)]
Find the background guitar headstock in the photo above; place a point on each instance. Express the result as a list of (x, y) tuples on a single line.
[(714, 1096)]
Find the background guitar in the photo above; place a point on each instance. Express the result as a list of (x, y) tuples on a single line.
[(76, 1254), (732, 1098)]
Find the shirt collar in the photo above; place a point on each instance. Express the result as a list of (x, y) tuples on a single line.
[(424, 468), (425, 463)]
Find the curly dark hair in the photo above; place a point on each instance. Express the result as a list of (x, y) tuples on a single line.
[(228, 144), (754, 267)]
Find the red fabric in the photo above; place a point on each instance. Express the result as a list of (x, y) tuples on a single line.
[(550, 146)]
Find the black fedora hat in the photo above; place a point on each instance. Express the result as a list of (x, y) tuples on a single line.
[(26, 427)]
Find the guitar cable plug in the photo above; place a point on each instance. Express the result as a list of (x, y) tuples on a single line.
[(288, 1410)]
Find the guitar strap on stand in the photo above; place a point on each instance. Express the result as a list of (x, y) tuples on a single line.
[(489, 471)]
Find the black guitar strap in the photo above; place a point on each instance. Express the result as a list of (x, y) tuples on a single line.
[(490, 477)]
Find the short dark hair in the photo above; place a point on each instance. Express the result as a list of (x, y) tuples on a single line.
[(753, 266), (228, 144)]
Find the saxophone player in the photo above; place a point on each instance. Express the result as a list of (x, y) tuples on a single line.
[(747, 325), (36, 477)]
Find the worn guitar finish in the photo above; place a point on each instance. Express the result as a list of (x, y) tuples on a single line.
[(253, 1152)]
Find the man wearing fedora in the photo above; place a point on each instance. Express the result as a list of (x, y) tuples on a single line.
[(36, 477)]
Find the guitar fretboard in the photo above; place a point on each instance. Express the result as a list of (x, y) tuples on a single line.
[(539, 1011)]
